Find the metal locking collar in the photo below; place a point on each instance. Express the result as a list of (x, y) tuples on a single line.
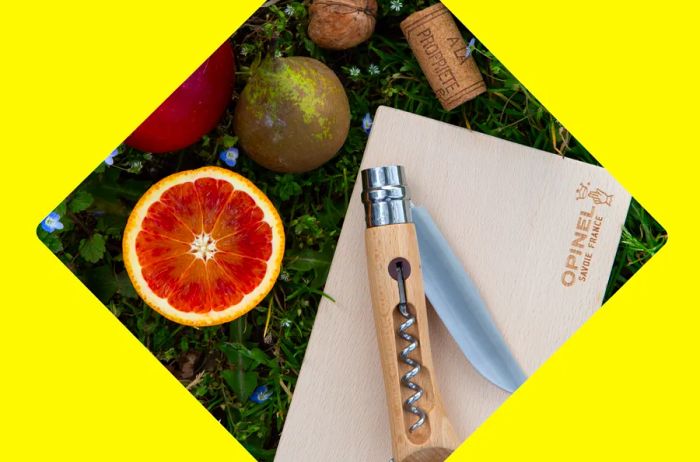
[(386, 197)]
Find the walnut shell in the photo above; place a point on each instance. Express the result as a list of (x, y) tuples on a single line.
[(342, 24)]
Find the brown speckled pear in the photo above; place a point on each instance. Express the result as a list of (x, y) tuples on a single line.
[(293, 115)]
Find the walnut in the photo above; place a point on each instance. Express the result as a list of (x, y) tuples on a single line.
[(342, 24)]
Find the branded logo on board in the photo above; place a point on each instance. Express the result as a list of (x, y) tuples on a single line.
[(586, 234), (599, 196)]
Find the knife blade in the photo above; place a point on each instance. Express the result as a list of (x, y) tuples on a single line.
[(457, 301)]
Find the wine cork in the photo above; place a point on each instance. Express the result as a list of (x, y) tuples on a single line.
[(442, 54)]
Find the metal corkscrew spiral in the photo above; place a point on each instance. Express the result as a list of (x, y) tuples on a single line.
[(407, 379)]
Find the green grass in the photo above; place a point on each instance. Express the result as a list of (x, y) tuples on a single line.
[(222, 365)]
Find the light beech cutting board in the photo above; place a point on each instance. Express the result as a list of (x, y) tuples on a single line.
[(511, 215)]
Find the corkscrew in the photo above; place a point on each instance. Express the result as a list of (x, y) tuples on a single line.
[(420, 429), (410, 404)]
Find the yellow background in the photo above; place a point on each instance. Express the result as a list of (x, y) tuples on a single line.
[(76, 79)]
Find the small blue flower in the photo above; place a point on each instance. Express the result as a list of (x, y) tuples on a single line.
[(261, 394), (52, 223), (367, 123), (229, 156), (110, 158), (470, 47)]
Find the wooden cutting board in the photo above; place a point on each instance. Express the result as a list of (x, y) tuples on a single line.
[(511, 214)]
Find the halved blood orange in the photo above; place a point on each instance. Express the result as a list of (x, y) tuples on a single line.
[(203, 247)]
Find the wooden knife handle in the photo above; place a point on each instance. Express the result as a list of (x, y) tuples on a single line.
[(385, 244)]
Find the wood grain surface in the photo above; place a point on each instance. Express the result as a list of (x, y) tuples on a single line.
[(384, 244), (511, 214)]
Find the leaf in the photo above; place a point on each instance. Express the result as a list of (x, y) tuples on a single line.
[(124, 286), (250, 358), (61, 209), (315, 262), (307, 260), (52, 241), (228, 141), (111, 225), (101, 282), (81, 201), (332, 214), (92, 250), (241, 383), (235, 355), (260, 357), (287, 187), (112, 187)]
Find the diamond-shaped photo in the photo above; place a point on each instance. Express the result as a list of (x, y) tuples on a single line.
[(351, 224)]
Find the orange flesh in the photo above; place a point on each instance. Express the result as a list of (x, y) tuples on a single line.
[(204, 246)]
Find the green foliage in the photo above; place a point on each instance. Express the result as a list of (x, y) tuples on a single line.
[(93, 248), (222, 365), (81, 201)]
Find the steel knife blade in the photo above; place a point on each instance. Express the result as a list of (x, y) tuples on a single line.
[(457, 301)]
